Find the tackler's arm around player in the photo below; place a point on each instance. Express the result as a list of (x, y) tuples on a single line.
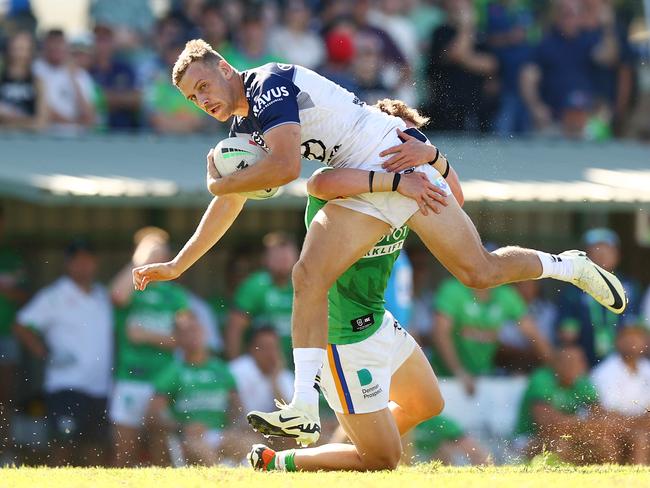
[(330, 183), (414, 152), (279, 167)]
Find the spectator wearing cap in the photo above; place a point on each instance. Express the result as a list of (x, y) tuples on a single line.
[(622, 381), (69, 325), (581, 320), (67, 88), (116, 81)]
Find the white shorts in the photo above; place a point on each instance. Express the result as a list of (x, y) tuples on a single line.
[(356, 377), (130, 402), (390, 206)]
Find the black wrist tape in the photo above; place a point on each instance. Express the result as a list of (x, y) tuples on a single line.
[(396, 179), (436, 158), (446, 173)]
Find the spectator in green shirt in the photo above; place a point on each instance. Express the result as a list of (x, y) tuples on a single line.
[(168, 112), (197, 398), (265, 297), (467, 328), (559, 412), (145, 346)]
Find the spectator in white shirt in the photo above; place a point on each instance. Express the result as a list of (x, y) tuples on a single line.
[(69, 325), (623, 384), (67, 88), (261, 375)]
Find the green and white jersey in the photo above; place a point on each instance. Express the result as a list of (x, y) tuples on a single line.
[(154, 309), (198, 392), (356, 301)]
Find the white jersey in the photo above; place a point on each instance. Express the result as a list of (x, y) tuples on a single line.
[(336, 128)]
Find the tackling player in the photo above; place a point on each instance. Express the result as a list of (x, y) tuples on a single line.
[(376, 378), (294, 112)]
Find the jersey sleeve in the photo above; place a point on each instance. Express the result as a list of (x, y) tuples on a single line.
[(274, 102)]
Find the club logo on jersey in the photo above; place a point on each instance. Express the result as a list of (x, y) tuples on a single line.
[(313, 149), (268, 98), (285, 67), (362, 323)]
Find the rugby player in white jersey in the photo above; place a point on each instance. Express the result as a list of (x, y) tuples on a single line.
[(295, 112)]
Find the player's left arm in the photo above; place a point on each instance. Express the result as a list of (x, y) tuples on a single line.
[(279, 167)]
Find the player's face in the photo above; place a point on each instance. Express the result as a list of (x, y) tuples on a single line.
[(210, 88)]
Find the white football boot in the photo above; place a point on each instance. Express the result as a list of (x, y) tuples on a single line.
[(602, 285), (295, 421)]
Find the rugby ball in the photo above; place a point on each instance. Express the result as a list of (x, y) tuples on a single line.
[(236, 153)]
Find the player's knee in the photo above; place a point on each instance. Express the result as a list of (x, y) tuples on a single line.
[(475, 277), (305, 277), (386, 460)]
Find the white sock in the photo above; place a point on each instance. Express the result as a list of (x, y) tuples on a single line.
[(307, 360), (554, 266)]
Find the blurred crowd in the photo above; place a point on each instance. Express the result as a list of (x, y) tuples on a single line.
[(561, 67), (94, 374)]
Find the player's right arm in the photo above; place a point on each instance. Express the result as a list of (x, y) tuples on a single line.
[(217, 219)]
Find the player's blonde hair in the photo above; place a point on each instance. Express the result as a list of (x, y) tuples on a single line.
[(397, 108), (195, 50)]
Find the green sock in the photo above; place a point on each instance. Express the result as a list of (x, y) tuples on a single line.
[(290, 462), (283, 461)]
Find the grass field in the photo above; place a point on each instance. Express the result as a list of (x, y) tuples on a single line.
[(428, 475)]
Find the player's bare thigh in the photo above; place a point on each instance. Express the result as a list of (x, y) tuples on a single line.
[(336, 238), (452, 238), (375, 437), (414, 388)]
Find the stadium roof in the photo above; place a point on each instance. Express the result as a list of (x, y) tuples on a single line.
[(160, 171)]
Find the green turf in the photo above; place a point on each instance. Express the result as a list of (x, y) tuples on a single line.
[(428, 475)]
